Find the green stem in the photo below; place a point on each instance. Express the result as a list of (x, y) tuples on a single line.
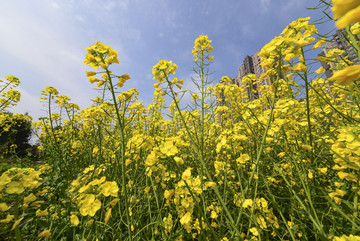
[(353, 41), (356, 208), (123, 147), (223, 204), (307, 101), (202, 117), (17, 229)]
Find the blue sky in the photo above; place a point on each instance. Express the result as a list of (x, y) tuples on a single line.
[(42, 41)]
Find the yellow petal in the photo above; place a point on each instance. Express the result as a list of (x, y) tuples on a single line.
[(44, 234), (350, 17), (74, 220), (17, 222)]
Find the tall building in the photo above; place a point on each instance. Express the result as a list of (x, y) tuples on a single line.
[(338, 41), (250, 65), (326, 66), (258, 69)]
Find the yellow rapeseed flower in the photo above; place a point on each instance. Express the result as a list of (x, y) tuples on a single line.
[(355, 29), (114, 202), (109, 189), (122, 79), (254, 231), (7, 219), (42, 213), (36, 204), (17, 222), (163, 69), (169, 149), (151, 159), (347, 75), (243, 158), (90, 73), (168, 194), (347, 176), (90, 205), (44, 234), (247, 203), (186, 219), (4, 207), (347, 10), (213, 215), (320, 70), (201, 47), (51, 90), (15, 187), (186, 174), (74, 220), (347, 238), (310, 174), (210, 184), (4, 179), (323, 170), (107, 216), (179, 160), (300, 67)]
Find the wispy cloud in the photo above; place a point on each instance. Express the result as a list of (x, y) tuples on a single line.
[(264, 6), (46, 39), (30, 104), (292, 5), (52, 45)]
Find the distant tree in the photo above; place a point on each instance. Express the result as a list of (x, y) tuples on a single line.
[(15, 129)]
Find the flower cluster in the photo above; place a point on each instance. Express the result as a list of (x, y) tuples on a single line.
[(15, 180), (9, 96), (161, 72), (288, 45), (87, 188), (163, 69), (202, 49), (100, 55), (22, 185)]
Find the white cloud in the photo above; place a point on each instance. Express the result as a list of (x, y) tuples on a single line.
[(110, 5), (134, 34), (264, 5), (52, 46), (80, 18), (246, 29), (123, 4), (55, 5), (30, 104), (292, 5)]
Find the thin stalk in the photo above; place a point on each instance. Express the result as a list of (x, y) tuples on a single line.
[(307, 101), (123, 146), (353, 41), (280, 212), (202, 116), (318, 226), (17, 229), (223, 204), (356, 208), (262, 143)]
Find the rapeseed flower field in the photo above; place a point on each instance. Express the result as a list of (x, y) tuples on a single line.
[(274, 167)]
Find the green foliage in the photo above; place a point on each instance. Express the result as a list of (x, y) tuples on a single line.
[(15, 134)]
